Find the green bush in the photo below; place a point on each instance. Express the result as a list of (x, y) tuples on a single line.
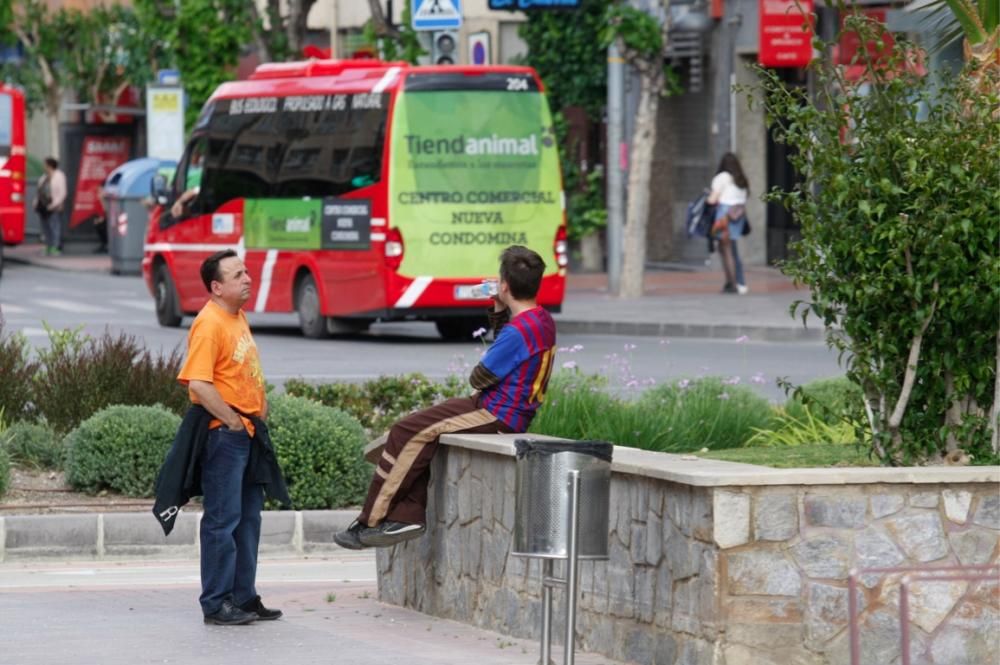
[(832, 401), (320, 451), (34, 445), (378, 403), (81, 375), (680, 417), (18, 371), (4, 471), (120, 448)]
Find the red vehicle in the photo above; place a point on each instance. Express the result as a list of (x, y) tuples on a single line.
[(13, 154), (361, 191)]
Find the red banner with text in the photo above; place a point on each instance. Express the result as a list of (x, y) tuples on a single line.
[(101, 155), (786, 32)]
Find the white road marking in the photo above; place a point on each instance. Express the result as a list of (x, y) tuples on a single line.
[(141, 305), (74, 307)]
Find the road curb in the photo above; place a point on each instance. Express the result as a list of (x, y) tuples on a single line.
[(99, 536), (693, 330)]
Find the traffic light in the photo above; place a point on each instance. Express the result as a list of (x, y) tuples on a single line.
[(443, 47)]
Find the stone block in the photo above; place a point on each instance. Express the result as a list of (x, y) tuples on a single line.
[(738, 654), (974, 546), (731, 518), (318, 526), (920, 536), (138, 534), (837, 511), (645, 593), (639, 496), (884, 505), (824, 556), (763, 573), (874, 549), (762, 611), (765, 638), (956, 505), (653, 538), (930, 602), (637, 550), (775, 516), (277, 529), (827, 612), (51, 535), (988, 511), (686, 616), (924, 500), (664, 588)]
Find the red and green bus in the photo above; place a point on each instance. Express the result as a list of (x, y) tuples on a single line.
[(360, 191), (13, 172)]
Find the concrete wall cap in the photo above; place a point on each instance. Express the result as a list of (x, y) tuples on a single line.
[(693, 470)]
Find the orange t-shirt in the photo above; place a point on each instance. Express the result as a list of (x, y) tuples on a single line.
[(221, 351)]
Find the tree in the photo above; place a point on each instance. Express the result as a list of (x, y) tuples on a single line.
[(32, 24), (392, 42), (203, 39), (642, 41), (280, 37), (900, 246)]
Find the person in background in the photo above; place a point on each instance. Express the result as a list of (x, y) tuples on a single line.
[(729, 191), (50, 203), (510, 383)]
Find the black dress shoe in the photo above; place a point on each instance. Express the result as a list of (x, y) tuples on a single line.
[(254, 606), (230, 615)]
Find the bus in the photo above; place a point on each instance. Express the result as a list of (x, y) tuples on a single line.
[(359, 191), (13, 172)]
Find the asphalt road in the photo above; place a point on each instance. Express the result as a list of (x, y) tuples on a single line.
[(32, 298)]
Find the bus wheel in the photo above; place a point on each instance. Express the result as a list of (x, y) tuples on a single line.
[(167, 311), (312, 322), (459, 329)]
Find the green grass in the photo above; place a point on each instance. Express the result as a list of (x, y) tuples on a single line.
[(804, 456)]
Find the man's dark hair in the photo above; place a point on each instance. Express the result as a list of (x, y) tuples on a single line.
[(522, 269), (52, 161), (210, 268)]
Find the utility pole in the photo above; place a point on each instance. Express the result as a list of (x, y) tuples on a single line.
[(616, 179)]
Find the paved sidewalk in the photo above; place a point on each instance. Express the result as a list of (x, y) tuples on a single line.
[(133, 613), (684, 301)]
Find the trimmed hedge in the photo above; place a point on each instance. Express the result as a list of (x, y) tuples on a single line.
[(120, 448), (34, 445), (320, 451)]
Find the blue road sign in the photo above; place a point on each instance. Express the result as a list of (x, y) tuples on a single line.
[(436, 14)]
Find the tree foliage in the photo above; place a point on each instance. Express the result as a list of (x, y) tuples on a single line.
[(561, 48), (389, 41), (899, 246)]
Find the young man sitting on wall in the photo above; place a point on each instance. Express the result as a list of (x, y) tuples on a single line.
[(510, 383)]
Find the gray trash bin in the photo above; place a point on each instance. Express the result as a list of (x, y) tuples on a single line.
[(125, 188), (542, 497)]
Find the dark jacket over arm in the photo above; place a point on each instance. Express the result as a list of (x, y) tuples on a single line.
[(179, 478)]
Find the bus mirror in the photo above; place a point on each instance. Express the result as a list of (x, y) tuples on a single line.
[(159, 189)]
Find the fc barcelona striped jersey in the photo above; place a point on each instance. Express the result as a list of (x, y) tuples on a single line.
[(521, 357)]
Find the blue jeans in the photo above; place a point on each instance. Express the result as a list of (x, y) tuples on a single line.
[(230, 526), (738, 263)]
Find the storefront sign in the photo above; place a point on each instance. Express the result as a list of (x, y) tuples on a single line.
[(785, 33)]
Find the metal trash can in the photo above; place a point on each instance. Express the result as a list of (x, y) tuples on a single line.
[(125, 189), (542, 497)]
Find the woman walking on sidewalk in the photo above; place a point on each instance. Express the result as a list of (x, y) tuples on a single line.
[(729, 192)]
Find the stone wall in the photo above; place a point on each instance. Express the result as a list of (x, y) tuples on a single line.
[(713, 567)]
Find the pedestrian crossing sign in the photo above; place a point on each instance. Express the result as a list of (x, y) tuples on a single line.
[(436, 14)]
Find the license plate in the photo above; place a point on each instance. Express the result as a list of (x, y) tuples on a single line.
[(469, 292)]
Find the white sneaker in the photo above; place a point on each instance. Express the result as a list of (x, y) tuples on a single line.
[(742, 289)]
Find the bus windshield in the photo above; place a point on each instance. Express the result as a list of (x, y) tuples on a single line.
[(474, 169), (293, 147)]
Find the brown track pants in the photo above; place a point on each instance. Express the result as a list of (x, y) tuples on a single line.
[(398, 491)]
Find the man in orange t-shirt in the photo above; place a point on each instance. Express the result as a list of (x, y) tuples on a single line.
[(222, 372)]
